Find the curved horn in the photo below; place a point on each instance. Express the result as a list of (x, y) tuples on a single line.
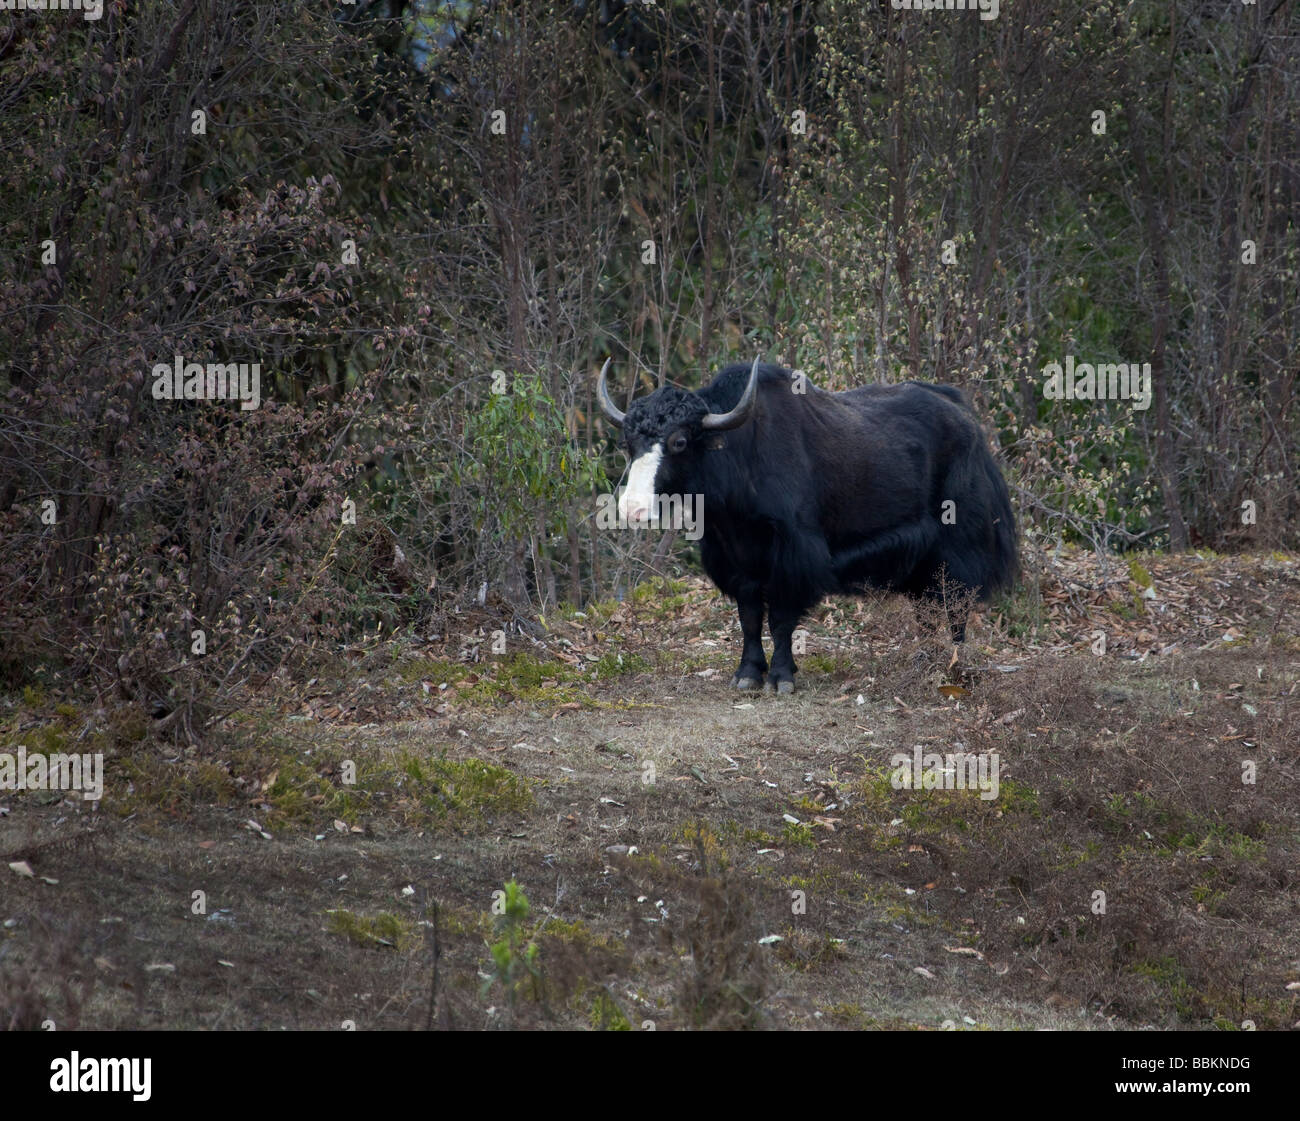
[(607, 405), (744, 406)]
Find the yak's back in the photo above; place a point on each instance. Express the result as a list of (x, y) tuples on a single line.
[(917, 399), (907, 397)]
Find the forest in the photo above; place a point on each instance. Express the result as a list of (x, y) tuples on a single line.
[(304, 307)]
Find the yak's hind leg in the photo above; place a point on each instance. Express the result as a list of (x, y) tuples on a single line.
[(783, 621), (956, 604), (753, 664), (953, 599)]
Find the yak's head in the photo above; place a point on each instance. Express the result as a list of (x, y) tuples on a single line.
[(664, 434)]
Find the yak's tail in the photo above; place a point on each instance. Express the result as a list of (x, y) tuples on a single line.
[(1004, 564), (978, 550)]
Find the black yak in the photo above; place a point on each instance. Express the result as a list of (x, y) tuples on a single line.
[(808, 493)]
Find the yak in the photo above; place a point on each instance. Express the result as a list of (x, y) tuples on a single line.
[(808, 493)]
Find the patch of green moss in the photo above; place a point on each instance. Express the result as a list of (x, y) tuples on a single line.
[(954, 811), (660, 597), (882, 838), (828, 664), (648, 863), (1171, 830), (1202, 839), (706, 843), (807, 950), (130, 727), (1022, 614), (463, 791), (301, 794), (299, 789), (1070, 857), (824, 880), (935, 811), (145, 782), (579, 935), (593, 615), (53, 739), (895, 905), (1208, 896), (385, 929), (617, 664), (435, 671), (874, 792), (1168, 976), (524, 677), (759, 837), (1127, 610), (846, 1015), (460, 922), (1016, 797)]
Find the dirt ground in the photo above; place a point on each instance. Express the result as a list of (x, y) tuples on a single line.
[(689, 856)]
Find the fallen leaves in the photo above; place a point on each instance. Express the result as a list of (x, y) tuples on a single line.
[(969, 951)]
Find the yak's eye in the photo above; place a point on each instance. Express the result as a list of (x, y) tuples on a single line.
[(677, 443)]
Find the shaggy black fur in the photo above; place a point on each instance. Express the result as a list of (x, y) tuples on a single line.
[(821, 493)]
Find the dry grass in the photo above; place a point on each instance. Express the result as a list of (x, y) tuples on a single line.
[(686, 897)]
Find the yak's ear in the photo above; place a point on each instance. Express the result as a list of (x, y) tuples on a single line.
[(716, 442)]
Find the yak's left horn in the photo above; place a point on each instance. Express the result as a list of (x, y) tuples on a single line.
[(744, 406), (607, 405)]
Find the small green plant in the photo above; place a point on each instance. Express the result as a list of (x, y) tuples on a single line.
[(605, 1014), (523, 467), (799, 834), (1139, 574), (514, 954)]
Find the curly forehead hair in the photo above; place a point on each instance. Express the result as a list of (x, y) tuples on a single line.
[(653, 417)]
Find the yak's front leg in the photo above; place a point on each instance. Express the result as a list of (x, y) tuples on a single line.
[(753, 664), (783, 621)]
